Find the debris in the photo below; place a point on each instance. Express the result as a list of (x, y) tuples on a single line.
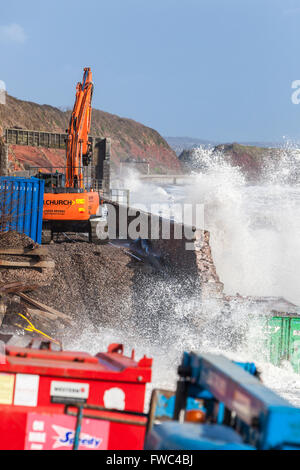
[(27, 264), (45, 308), (26, 251), (29, 326), (19, 248), (41, 314), (20, 257), (3, 309), (30, 250), (15, 287)]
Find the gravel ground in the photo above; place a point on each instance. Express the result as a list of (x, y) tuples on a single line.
[(92, 281)]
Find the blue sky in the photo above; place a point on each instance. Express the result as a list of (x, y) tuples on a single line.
[(213, 69)]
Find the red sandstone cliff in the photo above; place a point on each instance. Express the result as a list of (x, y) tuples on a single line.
[(129, 138)]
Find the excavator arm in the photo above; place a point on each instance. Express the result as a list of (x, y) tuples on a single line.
[(78, 146)]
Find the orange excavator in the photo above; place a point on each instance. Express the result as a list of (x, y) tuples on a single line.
[(71, 204)]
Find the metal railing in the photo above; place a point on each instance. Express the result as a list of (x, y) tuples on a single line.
[(57, 178), (33, 138), (120, 196), (80, 408)]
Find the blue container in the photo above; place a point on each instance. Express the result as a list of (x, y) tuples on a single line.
[(21, 206)]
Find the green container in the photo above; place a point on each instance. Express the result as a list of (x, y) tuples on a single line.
[(282, 339), (294, 344)]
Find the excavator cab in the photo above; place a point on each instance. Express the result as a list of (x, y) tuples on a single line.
[(52, 180)]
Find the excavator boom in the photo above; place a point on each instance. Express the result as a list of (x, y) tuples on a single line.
[(78, 145)]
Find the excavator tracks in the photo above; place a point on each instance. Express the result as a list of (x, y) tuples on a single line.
[(98, 231)]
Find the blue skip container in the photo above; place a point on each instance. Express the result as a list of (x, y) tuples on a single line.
[(21, 206)]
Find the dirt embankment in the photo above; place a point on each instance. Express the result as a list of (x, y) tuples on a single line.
[(129, 138)]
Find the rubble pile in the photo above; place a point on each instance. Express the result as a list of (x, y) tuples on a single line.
[(34, 276), (92, 280), (16, 309), (112, 286)]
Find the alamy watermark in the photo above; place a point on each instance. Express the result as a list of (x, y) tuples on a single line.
[(156, 222), (2, 92)]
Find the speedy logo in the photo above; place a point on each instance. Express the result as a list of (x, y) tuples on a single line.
[(69, 390), (65, 438), (57, 431)]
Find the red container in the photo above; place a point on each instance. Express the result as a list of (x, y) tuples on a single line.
[(39, 390)]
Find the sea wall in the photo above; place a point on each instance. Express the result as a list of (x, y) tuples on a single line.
[(182, 248)]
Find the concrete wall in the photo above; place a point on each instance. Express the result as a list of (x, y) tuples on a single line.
[(101, 162), (168, 179), (183, 248), (3, 158)]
